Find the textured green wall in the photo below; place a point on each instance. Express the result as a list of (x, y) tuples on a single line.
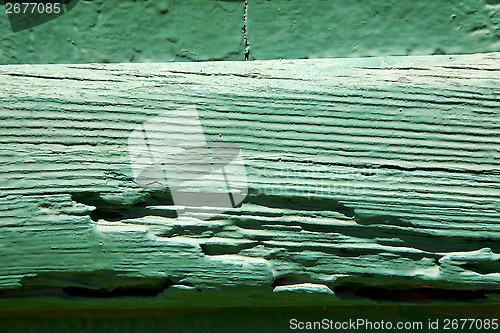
[(346, 28), (196, 30), (130, 31)]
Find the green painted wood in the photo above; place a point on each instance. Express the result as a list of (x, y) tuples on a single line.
[(294, 30), (370, 179), (130, 31)]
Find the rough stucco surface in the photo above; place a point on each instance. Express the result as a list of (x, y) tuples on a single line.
[(195, 30), (130, 31), (289, 30)]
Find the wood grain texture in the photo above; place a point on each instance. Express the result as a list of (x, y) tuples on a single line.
[(370, 178)]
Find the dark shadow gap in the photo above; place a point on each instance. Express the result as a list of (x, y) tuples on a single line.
[(424, 294)]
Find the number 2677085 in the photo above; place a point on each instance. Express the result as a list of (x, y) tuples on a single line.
[(33, 8)]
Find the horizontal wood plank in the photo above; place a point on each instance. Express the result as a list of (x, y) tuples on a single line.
[(374, 173)]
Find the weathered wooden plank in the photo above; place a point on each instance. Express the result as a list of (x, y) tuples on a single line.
[(365, 177)]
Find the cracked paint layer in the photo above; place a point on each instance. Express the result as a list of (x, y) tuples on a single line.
[(367, 177)]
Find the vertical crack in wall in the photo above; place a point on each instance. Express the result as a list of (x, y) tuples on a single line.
[(245, 37)]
